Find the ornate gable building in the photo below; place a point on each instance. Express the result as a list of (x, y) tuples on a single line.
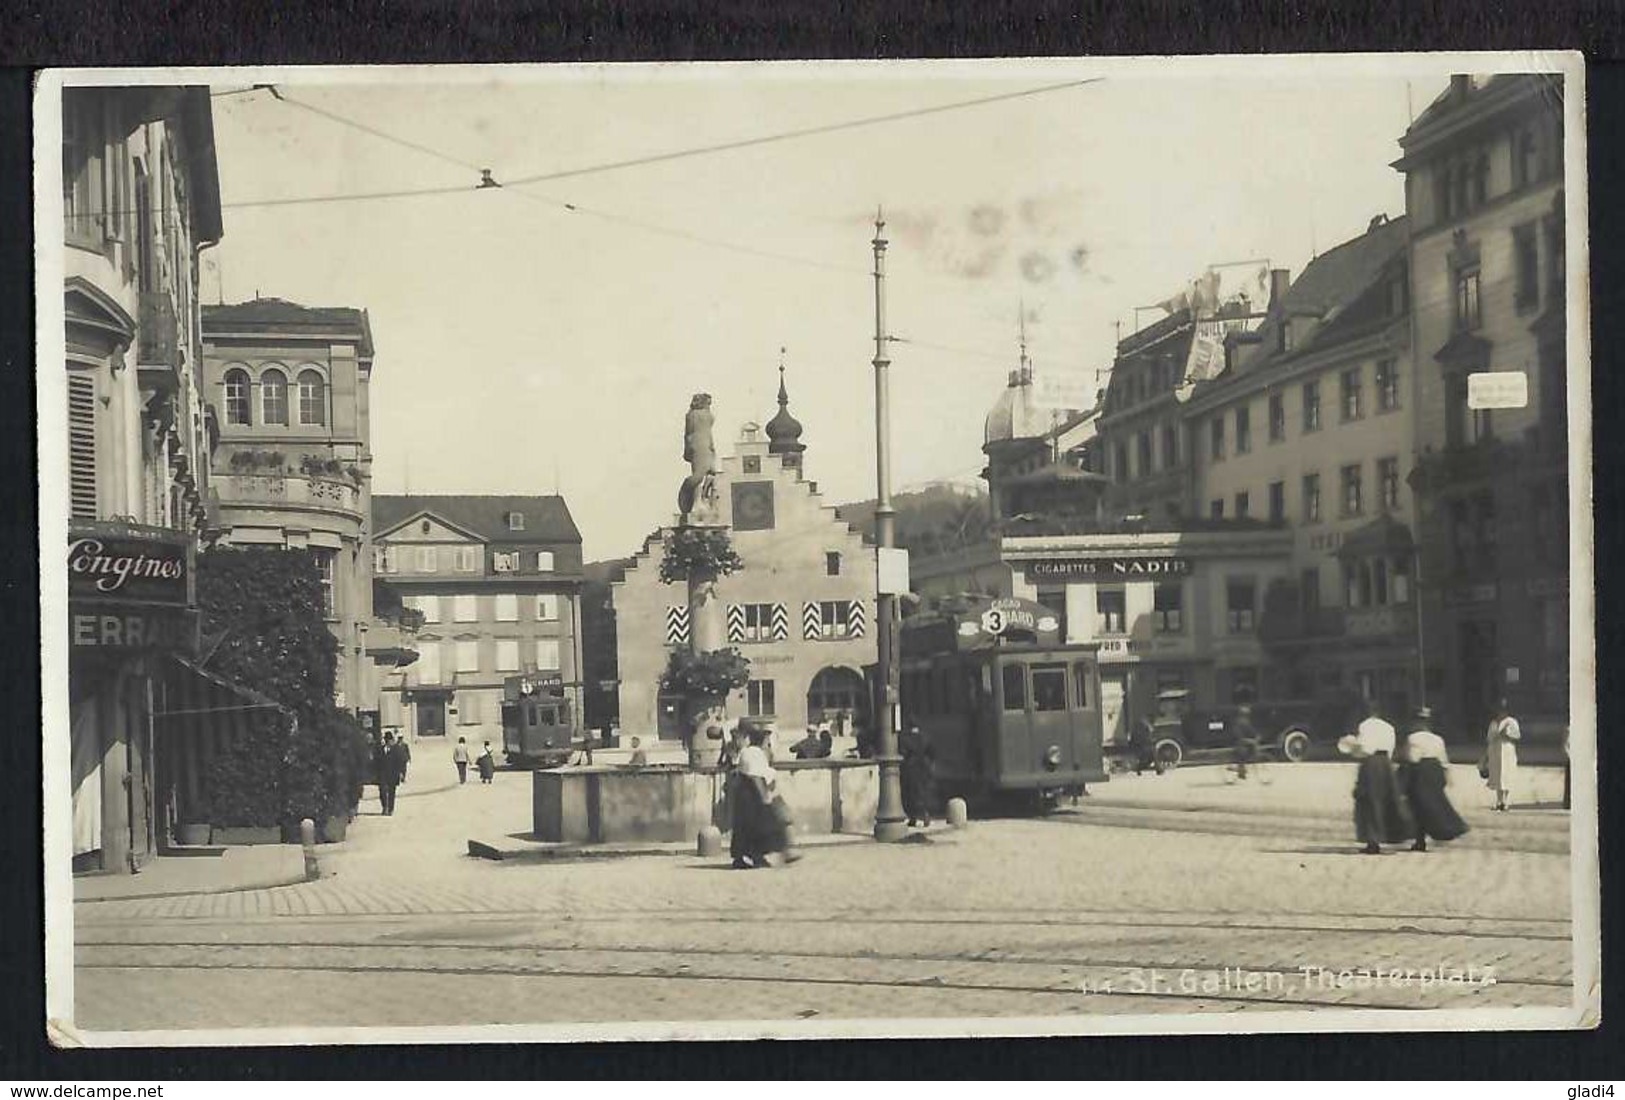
[(802, 609)]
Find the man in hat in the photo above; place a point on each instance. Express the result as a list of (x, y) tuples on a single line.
[(1426, 775)]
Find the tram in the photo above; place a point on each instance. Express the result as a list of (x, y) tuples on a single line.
[(1005, 705), (538, 723)]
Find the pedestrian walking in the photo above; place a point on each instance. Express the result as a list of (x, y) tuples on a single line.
[(918, 777), (1426, 775), (459, 756), (1247, 740), (761, 820), (1500, 764), (386, 766), (1380, 814), (487, 764), (405, 751)]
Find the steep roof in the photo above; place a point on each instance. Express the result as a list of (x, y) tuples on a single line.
[(1335, 281), (281, 317), (547, 518)]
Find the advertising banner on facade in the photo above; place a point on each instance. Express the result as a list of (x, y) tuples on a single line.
[(130, 588)]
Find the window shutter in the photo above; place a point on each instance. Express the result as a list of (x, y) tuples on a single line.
[(676, 626), (736, 622), (811, 621), (781, 622), (855, 616), (82, 445)]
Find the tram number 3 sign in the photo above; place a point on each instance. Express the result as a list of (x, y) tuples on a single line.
[(993, 621)]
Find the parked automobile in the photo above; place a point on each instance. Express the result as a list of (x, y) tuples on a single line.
[(1287, 729)]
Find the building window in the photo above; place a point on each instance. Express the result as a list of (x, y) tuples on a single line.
[(426, 669), (1277, 501), (1352, 504), (1144, 442), (1014, 682), (1525, 158), (547, 654), (238, 405), (465, 609), (468, 559), (757, 621), (1388, 483), (1167, 602), (1351, 394), (1311, 406), (1311, 498), (1216, 438), (1109, 603), (1241, 605), (430, 606), (1055, 600), (507, 607), (1467, 316), (1120, 462), (759, 695), (82, 146), (1215, 509), (1283, 336), (547, 608), (505, 561), (544, 561), (1244, 430), (468, 708), (832, 563), (468, 656), (82, 482), (516, 521), (1387, 385), (273, 397), (1277, 417), (1170, 447), (834, 619), (324, 566), (312, 398), (1242, 505), (507, 654), (1526, 267)]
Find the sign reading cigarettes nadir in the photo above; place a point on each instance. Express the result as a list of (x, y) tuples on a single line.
[(1063, 391), (1498, 389)]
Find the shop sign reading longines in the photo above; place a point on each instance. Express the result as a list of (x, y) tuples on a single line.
[(1117, 567), (130, 587)]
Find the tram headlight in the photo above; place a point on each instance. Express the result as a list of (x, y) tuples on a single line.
[(1052, 758)]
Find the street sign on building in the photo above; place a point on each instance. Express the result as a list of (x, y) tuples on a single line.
[(1498, 389)]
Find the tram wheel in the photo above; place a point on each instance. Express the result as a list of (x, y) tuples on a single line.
[(1166, 755)]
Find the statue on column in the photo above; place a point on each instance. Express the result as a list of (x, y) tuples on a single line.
[(697, 499)]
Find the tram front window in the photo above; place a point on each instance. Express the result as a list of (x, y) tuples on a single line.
[(1015, 688), (1049, 687)]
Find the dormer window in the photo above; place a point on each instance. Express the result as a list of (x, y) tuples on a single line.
[(516, 521), (1283, 336)]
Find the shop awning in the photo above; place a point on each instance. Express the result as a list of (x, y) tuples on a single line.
[(185, 691), (1383, 535)]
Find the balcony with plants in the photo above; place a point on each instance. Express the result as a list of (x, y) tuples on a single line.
[(266, 478)]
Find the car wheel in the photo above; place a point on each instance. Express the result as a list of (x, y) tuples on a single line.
[(1295, 746), (1166, 754)]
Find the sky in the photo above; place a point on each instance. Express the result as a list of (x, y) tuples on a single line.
[(524, 346)]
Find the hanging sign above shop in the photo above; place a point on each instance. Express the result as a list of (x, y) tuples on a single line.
[(1107, 568), (125, 563)]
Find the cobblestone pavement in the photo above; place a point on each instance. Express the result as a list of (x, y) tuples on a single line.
[(1015, 918)]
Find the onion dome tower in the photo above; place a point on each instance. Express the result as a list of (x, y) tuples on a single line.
[(784, 430)]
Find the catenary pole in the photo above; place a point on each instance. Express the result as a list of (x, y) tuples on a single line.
[(889, 824)]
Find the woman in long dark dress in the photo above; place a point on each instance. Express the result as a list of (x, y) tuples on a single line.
[(919, 783), (1380, 814), (1426, 774), (760, 825)]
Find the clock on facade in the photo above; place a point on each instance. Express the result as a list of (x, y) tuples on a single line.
[(753, 505)]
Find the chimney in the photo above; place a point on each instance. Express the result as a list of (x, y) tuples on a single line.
[(1280, 281), (1460, 85), (1376, 223)]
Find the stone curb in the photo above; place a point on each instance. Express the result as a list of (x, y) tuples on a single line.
[(270, 882), (545, 852)]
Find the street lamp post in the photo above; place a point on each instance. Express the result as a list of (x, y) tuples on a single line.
[(889, 821)]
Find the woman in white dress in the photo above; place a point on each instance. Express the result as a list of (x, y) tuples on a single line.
[(1501, 753)]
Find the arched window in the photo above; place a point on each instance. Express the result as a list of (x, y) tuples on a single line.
[(273, 397), (238, 406), (312, 398)]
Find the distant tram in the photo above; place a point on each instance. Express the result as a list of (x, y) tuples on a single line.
[(1005, 705), (538, 723)]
